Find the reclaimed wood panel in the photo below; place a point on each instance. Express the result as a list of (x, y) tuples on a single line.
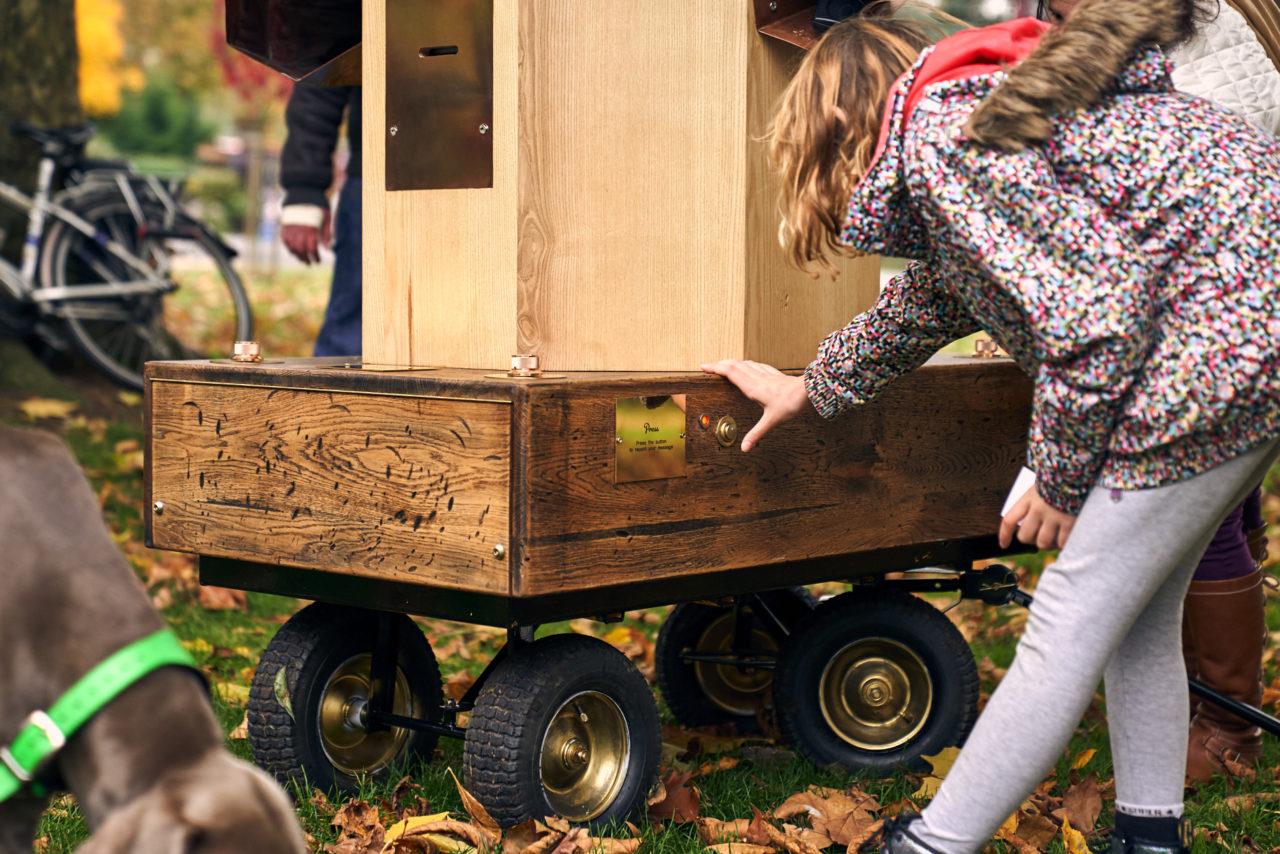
[(390, 487), (931, 459)]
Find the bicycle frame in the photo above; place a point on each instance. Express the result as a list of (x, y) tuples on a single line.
[(21, 282)]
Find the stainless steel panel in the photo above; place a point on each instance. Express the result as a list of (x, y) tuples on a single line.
[(439, 94)]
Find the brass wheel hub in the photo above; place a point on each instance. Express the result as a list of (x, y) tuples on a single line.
[(586, 752), (736, 690), (343, 725), (876, 694)]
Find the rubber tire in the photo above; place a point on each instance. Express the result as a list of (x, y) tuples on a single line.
[(683, 689), (311, 647), (903, 620), (501, 754), (120, 347)]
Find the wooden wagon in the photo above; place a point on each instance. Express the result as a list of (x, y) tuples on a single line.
[(548, 180)]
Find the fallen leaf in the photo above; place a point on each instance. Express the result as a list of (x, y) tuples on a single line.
[(479, 815), (360, 829), (1082, 759), (1036, 831), (242, 730), (44, 407), (789, 843), (724, 763), (575, 840), (1073, 839), (713, 831), (741, 848), (222, 599), (530, 837), (680, 802), (941, 763), (1082, 804), (396, 831), (445, 835), (457, 685)]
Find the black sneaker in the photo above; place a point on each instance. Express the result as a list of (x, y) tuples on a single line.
[(1120, 845)]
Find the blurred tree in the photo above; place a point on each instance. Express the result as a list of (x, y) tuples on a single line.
[(161, 119), (171, 37), (103, 68), (38, 84)]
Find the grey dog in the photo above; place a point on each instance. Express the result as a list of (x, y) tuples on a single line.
[(149, 770)]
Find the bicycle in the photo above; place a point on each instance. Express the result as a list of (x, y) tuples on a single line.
[(116, 262)]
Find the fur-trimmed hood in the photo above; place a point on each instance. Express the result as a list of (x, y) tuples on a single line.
[(993, 67), (1073, 65)]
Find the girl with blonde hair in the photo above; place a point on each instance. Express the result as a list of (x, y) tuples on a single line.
[(1119, 240)]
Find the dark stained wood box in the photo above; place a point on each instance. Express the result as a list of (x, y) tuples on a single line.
[(458, 494)]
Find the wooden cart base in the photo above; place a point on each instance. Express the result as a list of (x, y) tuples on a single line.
[(517, 502)]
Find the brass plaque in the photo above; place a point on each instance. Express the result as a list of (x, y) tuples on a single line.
[(650, 438), (439, 94)]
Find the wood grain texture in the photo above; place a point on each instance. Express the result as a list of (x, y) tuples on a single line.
[(632, 221), (387, 487), (343, 470), (787, 311), (931, 459), (632, 131), (439, 265)]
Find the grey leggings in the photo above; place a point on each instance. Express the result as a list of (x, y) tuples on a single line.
[(1111, 605)]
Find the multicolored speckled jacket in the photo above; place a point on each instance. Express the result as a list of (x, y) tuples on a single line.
[(1131, 266)]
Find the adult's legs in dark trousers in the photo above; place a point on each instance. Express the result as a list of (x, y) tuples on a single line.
[(340, 332)]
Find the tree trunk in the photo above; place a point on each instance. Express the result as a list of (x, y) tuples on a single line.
[(38, 84)]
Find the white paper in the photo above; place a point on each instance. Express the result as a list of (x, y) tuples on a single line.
[(1025, 480)]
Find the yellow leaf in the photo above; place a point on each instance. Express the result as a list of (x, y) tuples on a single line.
[(1073, 839), (199, 647), (621, 634), (1007, 829), (942, 761), (43, 407), (130, 398), (928, 788), (1082, 759), (400, 828)]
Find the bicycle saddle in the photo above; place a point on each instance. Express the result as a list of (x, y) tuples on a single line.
[(72, 137)]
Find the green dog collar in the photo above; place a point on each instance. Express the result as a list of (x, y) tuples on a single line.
[(43, 733)]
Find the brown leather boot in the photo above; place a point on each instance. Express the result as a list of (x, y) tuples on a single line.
[(1226, 625)]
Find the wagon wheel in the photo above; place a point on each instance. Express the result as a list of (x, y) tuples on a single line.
[(876, 680), (701, 693), (306, 714), (565, 726)]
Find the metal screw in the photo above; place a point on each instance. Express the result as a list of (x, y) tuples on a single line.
[(619, 440), (394, 130), (158, 507), (484, 128), (499, 552), (773, 6)]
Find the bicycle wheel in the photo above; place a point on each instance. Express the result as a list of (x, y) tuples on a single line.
[(201, 316)]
